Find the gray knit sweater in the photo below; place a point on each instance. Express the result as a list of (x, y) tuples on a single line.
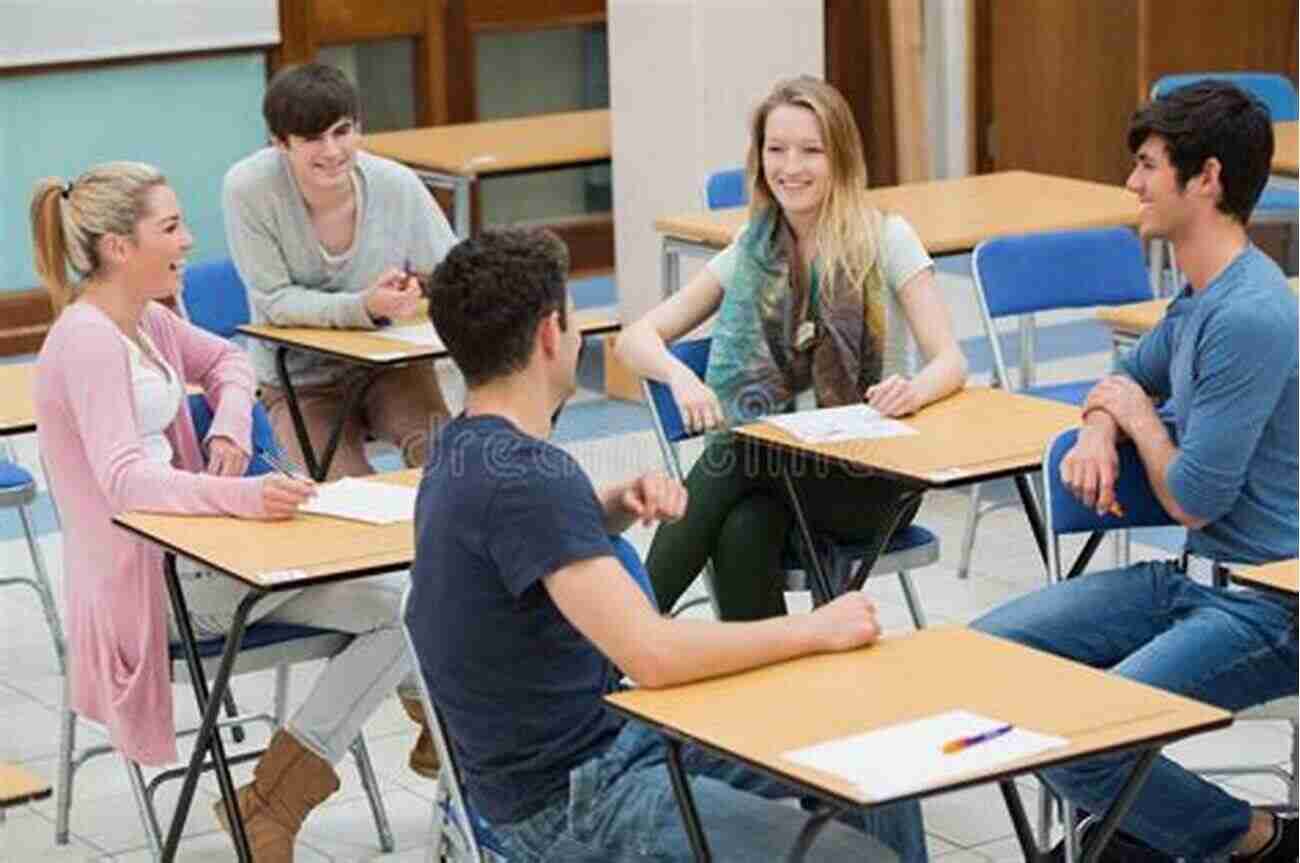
[(280, 260)]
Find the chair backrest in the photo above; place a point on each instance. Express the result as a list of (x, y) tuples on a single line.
[(1066, 515), (471, 827), (1276, 91), (668, 425), (726, 189), (627, 555), (215, 297), (1030, 273), (263, 436)]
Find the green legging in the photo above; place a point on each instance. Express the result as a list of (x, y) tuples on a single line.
[(739, 516)]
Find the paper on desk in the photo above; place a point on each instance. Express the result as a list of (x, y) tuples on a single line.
[(851, 422), (419, 334), (363, 500), (908, 757)]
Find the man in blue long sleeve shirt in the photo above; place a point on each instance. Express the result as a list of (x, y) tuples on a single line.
[(1209, 398)]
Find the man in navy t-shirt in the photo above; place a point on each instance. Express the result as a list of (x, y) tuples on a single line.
[(522, 616)]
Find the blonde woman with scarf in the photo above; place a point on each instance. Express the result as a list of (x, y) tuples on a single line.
[(814, 301)]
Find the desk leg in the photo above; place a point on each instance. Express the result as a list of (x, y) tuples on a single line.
[(1118, 809), (210, 703), (864, 566), (1085, 554), (818, 581), (350, 405), (1032, 514), (318, 469), (671, 269), (686, 802), (1020, 821), (820, 817), (295, 414), (460, 203)]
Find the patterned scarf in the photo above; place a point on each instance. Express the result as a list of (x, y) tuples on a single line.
[(775, 335)]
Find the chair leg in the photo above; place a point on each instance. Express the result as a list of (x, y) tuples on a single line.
[(1047, 802), (232, 710), (968, 535), (44, 589), (1069, 823), (361, 755), (281, 707), (913, 604), (148, 818), (1293, 787), (63, 789)]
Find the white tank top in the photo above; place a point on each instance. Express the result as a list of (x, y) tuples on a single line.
[(157, 398)]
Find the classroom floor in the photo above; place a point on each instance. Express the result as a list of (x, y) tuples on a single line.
[(611, 441)]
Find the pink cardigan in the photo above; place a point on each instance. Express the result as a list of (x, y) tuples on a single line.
[(116, 600)]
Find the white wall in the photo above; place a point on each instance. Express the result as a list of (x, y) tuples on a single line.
[(684, 76)]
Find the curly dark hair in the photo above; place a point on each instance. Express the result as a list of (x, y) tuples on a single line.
[(306, 100), (489, 294), (1212, 118)]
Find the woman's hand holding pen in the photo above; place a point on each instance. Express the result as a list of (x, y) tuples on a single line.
[(282, 495), (284, 491)]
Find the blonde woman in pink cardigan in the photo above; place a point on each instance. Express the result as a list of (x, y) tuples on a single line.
[(116, 435)]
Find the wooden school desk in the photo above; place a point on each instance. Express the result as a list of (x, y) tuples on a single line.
[(17, 410), (1131, 321), (975, 435), (267, 557), (1286, 149), (756, 716), (950, 216), (1281, 577), (453, 157), (18, 786), (368, 348)]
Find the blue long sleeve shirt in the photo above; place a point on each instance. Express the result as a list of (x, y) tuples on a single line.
[(1224, 366)]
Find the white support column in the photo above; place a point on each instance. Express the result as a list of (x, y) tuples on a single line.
[(684, 76)]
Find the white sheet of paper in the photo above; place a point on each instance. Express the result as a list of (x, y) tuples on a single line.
[(417, 334), (363, 500), (850, 422), (909, 757)]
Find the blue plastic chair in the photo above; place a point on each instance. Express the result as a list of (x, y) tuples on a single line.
[(460, 833), (1022, 275), (726, 189), (215, 297), (1065, 515), (17, 491), (909, 548), (263, 436), (265, 645)]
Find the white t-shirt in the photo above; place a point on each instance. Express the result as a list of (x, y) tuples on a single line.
[(157, 393), (901, 254)]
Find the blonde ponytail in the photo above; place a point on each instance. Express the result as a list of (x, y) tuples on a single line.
[(68, 220)]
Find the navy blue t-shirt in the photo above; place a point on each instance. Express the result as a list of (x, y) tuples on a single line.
[(519, 687)]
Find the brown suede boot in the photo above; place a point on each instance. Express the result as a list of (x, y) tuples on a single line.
[(288, 782), (424, 756)]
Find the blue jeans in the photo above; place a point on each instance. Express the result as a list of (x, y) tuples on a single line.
[(620, 807), (1152, 624)]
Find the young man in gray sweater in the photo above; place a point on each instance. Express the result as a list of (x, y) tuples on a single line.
[(325, 235)]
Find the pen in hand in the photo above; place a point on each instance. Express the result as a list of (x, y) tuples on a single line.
[(282, 464), (957, 745)]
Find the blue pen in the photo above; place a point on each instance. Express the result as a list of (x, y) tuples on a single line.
[(964, 742)]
